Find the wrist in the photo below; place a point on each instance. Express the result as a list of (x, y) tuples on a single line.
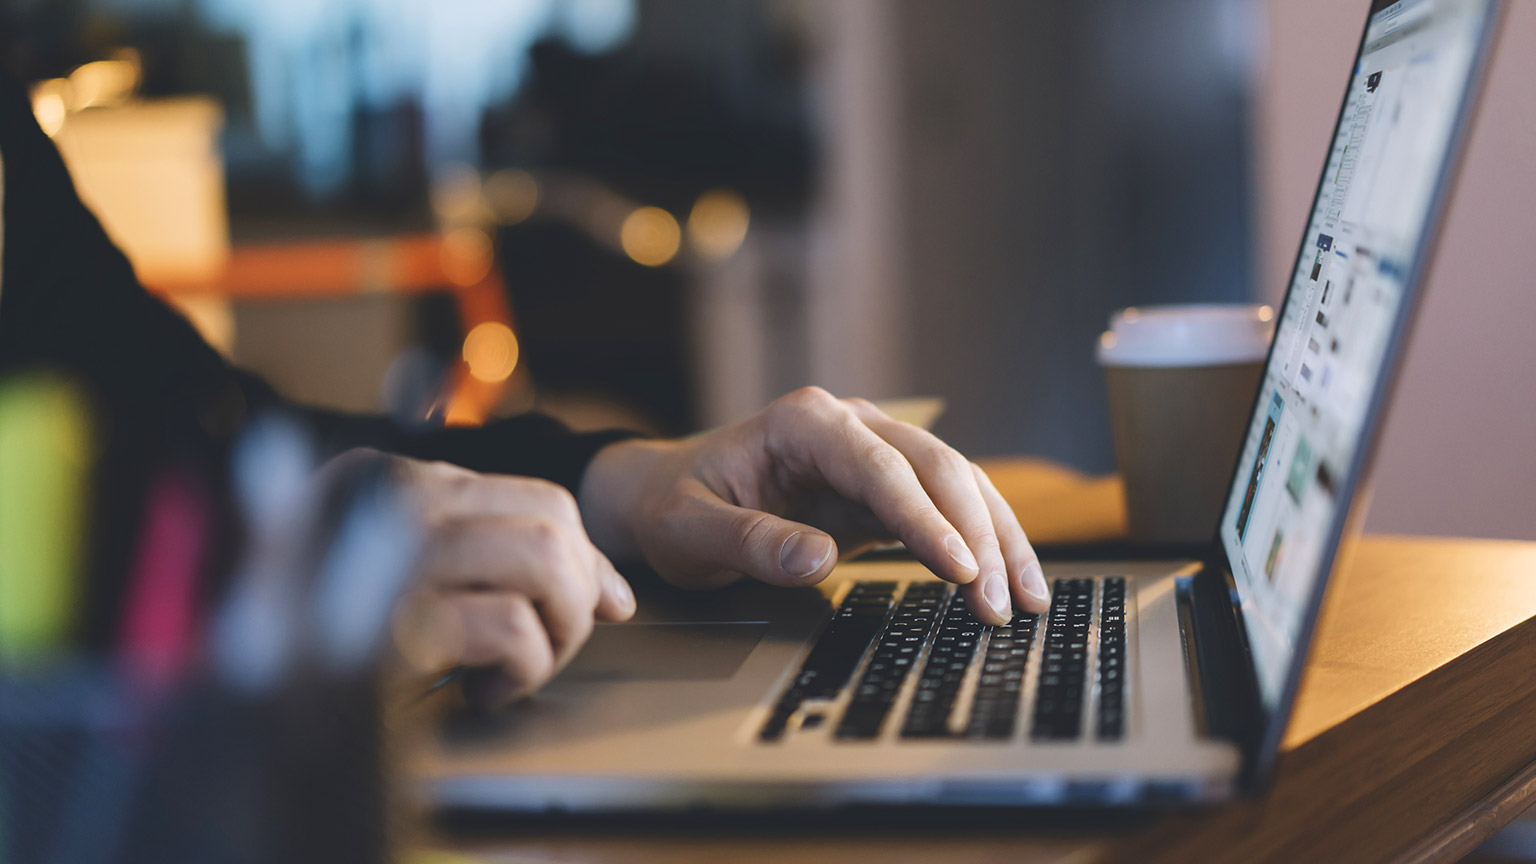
[(611, 492)]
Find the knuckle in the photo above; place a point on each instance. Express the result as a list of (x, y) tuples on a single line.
[(451, 539), (453, 479), (433, 469), (753, 532), (942, 457), (561, 501), (555, 499), (884, 460), (809, 401), (813, 395), (988, 488), (546, 539), (924, 514)]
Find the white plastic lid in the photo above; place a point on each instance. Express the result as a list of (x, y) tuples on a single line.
[(1196, 334)]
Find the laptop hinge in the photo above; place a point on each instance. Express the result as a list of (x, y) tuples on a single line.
[(1226, 691)]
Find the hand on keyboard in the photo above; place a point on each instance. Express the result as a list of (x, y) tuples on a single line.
[(777, 497)]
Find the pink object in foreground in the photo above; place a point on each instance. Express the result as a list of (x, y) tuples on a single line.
[(159, 625)]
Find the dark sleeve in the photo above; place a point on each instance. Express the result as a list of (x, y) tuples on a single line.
[(69, 301)]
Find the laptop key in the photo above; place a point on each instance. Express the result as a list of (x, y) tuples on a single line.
[(895, 654), (1111, 712), (995, 707), (953, 650), (835, 656), (1059, 692)]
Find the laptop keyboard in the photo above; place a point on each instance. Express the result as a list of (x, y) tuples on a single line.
[(896, 654), (944, 672), (837, 653), (1112, 660), (971, 683), (1001, 680), (1059, 699)]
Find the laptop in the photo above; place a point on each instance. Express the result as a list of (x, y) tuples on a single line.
[(1146, 682)]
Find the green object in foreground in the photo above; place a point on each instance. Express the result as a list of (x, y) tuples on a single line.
[(45, 462)]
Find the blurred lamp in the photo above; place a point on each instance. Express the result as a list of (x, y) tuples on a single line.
[(490, 351), (467, 256), (105, 83), (650, 236), (512, 194), (718, 224)]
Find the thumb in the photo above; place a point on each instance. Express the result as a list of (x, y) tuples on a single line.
[(710, 536)]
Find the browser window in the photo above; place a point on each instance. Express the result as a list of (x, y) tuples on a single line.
[(1364, 234)]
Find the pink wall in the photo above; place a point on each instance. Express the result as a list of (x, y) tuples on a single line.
[(1459, 453)]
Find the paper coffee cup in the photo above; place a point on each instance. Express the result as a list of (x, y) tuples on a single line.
[(1181, 382)]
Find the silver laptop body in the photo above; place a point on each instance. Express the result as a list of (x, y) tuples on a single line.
[(1148, 682)]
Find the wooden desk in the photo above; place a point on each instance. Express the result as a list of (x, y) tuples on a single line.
[(1414, 738)]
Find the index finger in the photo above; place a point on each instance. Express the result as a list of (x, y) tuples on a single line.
[(952, 484), (816, 434)]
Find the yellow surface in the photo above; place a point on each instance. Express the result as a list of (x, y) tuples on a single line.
[(1058, 505)]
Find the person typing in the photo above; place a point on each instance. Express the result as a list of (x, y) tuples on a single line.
[(526, 523)]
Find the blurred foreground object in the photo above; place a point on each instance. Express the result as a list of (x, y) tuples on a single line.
[(45, 463), (224, 707)]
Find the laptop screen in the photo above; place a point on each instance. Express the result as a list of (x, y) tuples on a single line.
[(1369, 222)]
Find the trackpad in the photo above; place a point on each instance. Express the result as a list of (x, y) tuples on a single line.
[(665, 651)]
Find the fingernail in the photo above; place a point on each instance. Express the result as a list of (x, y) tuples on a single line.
[(958, 551), (996, 593), (1034, 583), (621, 594), (804, 553)]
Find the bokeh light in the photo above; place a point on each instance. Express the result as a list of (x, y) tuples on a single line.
[(466, 256), (650, 236), (512, 195), (50, 104), (456, 197), (595, 26), (491, 351), (105, 82), (718, 224)]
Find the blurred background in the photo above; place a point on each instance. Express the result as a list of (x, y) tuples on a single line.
[(665, 213)]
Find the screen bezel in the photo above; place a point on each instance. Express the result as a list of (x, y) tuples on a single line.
[(1266, 746)]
